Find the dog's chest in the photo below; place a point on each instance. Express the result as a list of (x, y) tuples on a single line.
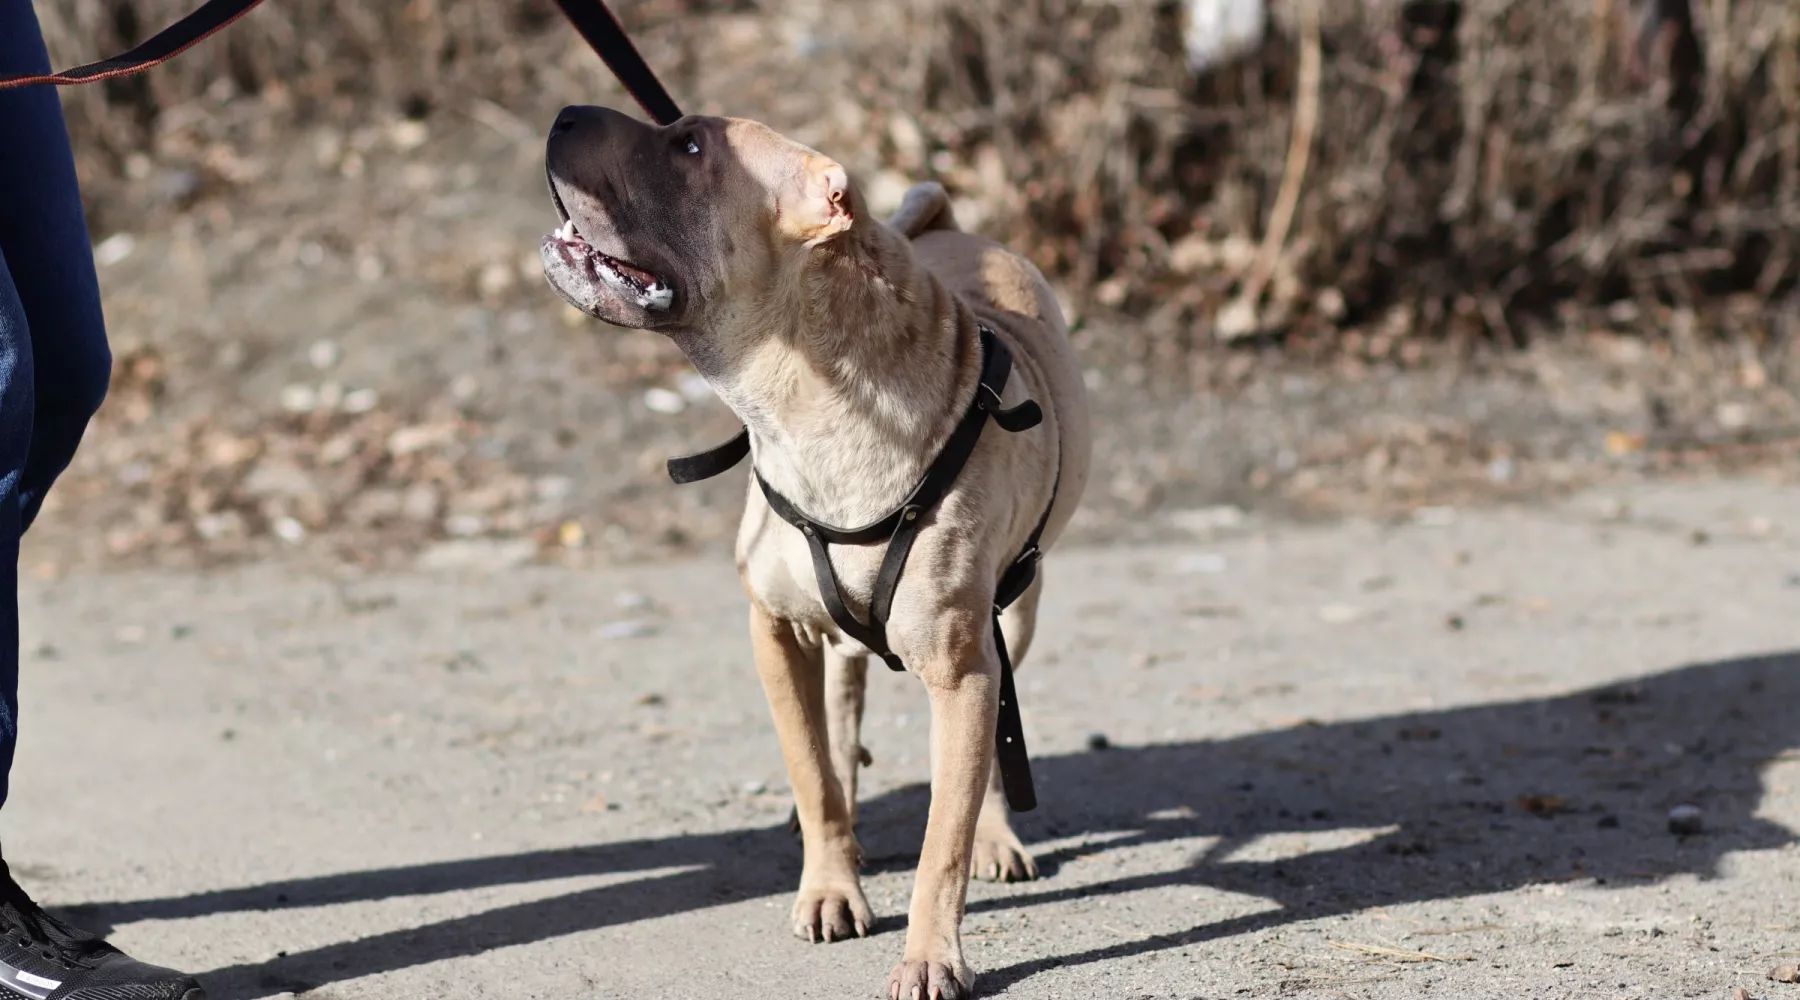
[(780, 576)]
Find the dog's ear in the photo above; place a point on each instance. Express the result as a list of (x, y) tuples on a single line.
[(822, 207)]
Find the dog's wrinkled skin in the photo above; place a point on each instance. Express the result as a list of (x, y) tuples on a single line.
[(850, 350)]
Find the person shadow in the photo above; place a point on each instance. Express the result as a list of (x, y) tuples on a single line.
[(1443, 803)]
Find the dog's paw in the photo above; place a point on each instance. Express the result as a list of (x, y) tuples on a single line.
[(930, 981), (833, 913), (998, 856)]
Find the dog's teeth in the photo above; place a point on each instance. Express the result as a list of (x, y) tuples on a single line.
[(567, 232)]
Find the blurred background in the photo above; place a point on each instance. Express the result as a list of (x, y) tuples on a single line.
[(1321, 257)]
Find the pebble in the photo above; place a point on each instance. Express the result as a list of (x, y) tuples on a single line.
[(478, 554), (360, 400), (1686, 820), (1098, 741), (1206, 521), (627, 629), (1339, 614), (114, 249), (694, 388), (660, 400), (323, 354), (289, 530), (1786, 973)]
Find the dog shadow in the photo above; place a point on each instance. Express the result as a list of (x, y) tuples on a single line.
[(1450, 803)]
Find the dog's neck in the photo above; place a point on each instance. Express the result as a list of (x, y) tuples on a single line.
[(850, 377)]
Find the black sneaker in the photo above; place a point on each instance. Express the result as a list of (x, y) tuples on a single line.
[(42, 958)]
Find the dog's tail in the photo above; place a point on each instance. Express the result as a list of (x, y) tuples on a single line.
[(925, 207)]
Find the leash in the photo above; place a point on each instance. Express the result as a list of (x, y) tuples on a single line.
[(591, 18), (900, 528)]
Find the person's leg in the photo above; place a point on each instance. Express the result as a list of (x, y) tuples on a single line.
[(44, 237), (54, 366), (15, 445)]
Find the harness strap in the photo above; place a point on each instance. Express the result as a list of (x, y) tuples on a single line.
[(712, 462), (900, 528)]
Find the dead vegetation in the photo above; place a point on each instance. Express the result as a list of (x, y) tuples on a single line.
[(1455, 168), (1385, 184)]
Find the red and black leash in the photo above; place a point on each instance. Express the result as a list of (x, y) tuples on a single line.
[(591, 18)]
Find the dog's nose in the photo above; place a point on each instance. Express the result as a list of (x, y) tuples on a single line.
[(565, 120)]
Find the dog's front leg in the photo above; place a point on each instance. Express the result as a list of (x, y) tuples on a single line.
[(963, 684), (830, 905)]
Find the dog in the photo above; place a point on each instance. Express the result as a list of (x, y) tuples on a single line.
[(850, 350)]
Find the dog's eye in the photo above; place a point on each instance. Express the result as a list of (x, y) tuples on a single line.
[(693, 148)]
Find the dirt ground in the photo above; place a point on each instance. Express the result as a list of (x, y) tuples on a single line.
[(1361, 760)]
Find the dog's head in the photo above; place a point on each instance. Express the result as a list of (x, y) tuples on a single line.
[(669, 227)]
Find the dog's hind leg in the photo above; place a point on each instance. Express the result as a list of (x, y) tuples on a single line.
[(999, 855), (830, 905), (925, 207), (846, 678)]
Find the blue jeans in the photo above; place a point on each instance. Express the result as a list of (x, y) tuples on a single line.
[(54, 362)]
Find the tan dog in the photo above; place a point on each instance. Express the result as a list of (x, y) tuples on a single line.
[(849, 349)]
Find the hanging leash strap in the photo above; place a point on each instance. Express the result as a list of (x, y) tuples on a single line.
[(603, 32), (159, 48), (900, 528), (591, 18)]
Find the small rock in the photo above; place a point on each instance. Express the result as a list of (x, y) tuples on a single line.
[(627, 629), (484, 554), (1739, 993), (466, 525), (548, 488), (114, 249), (755, 787), (571, 535), (1206, 521), (299, 399), (289, 530), (1454, 623), (1686, 820), (1098, 741), (408, 134), (1339, 614), (660, 400), (360, 400), (1788, 972), (323, 354), (694, 388), (630, 600), (650, 700)]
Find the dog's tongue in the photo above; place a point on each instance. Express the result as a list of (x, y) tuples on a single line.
[(638, 275)]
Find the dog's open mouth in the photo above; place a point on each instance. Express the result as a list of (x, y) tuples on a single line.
[(635, 283)]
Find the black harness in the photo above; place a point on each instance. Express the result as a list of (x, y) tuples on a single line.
[(900, 528)]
